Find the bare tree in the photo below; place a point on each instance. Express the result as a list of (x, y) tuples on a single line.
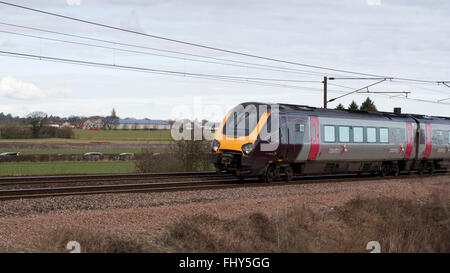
[(110, 122), (36, 120)]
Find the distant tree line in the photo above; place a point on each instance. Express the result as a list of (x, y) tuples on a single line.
[(34, 125), (10, 119), (368, 105)]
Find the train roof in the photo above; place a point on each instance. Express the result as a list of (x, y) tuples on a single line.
[(354, 114)]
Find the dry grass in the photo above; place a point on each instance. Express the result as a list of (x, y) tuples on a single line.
[(399, 226), (91, 242)]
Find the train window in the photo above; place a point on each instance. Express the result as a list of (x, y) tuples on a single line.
[(344, 134), (242, 121), (439, 137), (384, 135), (266, 131), (358, 134), (371, 135), (296, 131), (397, 135), (330, 134)]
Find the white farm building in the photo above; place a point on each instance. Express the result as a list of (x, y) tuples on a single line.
[(141, 124), (125, 124)]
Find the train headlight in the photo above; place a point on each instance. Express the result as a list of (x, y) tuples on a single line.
[(247, 148), (215, 145)]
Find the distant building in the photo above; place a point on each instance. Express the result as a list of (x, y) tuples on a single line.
[(93, 123), (125, 124), (141, 124), (67, 124), (54, 125)]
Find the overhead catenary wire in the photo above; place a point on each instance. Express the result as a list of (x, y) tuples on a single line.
[(394, 97), (231, 62), (357, 90), (422, 88), (175, 73), (148, 70), (206, 46), (110, 66), (247, 79), (146, 53), (153, 54)]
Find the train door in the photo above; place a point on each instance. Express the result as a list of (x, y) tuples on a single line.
[(284, 138), (314, 134), (296, 126), (409, 140), (428, 141)]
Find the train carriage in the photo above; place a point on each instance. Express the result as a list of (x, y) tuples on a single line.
[(307, 140)]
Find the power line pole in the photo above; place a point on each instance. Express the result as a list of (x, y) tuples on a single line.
[(325, 91)]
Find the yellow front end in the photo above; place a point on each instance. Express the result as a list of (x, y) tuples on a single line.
[(230, 143)]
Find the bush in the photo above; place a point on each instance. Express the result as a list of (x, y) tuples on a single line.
[(47, 132), (64, 132), (181, 156), (14, 132), (149, 162), (24, 132), (193, 154)]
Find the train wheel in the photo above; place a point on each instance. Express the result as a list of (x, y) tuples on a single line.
[(395, 170), (289, 173), (384, 170), (270, 174)]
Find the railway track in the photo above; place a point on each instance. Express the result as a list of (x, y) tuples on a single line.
[(102, 178), (25, 193)]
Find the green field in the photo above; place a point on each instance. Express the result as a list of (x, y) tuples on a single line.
[(58, 168), (151, 136), (82, 151), (123, 135)]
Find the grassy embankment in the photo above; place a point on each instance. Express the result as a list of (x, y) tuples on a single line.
[(398, 225)]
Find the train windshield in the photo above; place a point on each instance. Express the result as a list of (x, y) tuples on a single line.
[(242, 120)]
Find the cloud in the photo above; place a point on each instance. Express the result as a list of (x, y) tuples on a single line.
[(401, 38), (17, 89)]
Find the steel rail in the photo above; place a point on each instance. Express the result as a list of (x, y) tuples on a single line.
[(33, 180), (184, 186)]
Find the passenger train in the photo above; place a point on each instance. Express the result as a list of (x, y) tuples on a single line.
[(309, 141)]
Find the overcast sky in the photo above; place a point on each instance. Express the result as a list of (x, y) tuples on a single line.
[(404, 38)]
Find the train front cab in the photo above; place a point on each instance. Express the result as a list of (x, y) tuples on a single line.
[(238, 151)]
